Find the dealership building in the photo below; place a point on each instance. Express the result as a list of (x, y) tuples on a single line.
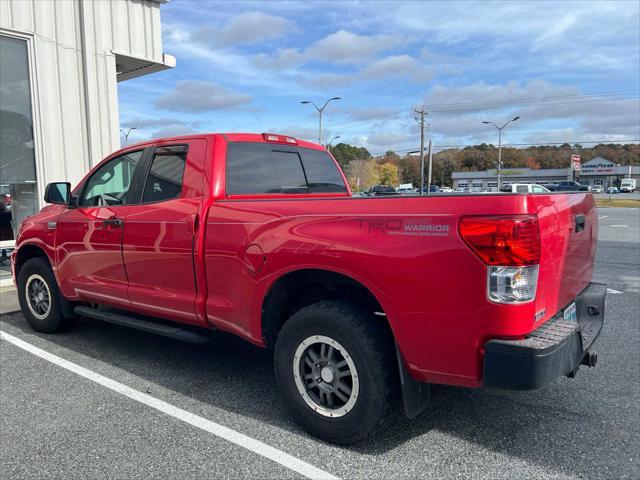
[(60, 62), (597, 171)]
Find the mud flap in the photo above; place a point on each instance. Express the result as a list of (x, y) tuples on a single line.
[(415, 395)]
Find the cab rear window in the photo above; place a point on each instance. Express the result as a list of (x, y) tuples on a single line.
[(263, 168)]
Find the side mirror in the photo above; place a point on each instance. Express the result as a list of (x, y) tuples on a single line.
[(58, 193)]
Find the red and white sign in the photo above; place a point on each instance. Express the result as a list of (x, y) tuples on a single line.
[(575, 162)]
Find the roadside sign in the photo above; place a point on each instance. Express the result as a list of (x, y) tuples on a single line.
[(575, 162)]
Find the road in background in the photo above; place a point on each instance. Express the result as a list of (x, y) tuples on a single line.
[(57, 424)]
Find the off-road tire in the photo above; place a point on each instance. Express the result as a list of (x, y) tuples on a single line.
[(52, 319), (369, 345)]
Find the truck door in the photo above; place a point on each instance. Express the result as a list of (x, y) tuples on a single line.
[(160, 232), (89, 237)]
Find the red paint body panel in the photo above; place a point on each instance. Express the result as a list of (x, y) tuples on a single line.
[(210, 259), (89, 256)]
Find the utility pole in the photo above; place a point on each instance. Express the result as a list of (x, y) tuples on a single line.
[(422, 114), (430, 165)]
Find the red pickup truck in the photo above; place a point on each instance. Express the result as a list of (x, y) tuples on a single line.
[(359, 298)]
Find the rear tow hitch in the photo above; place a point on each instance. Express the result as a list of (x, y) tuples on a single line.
[(590, 359)]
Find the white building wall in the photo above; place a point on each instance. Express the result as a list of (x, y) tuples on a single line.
[(73, 74)]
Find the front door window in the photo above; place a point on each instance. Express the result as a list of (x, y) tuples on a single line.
[(110, 184)]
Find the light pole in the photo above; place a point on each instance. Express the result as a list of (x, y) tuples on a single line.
[(126, 135), (500, 146), (320, 110), (330, 144)]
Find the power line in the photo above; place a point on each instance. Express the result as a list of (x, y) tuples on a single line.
[(460, 147), (513, 102)]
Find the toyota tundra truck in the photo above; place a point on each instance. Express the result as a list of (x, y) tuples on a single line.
[(362, 300)]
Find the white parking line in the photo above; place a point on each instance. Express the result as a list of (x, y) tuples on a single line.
[(618, 226), (237, 438), (602, 217)]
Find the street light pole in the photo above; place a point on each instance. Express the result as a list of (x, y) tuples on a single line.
[(126, 135), (320, 110), (330, 144), (500, 147)]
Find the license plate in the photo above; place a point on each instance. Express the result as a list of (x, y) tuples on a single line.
[(570, 313)]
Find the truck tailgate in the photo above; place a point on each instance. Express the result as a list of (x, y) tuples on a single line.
[(568, 233)]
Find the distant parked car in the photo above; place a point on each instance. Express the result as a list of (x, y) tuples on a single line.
[(446, 189), (597, 189), (406, 189), (628, 185), (379, 190), (571, 186), (524, 188), (613, 190)]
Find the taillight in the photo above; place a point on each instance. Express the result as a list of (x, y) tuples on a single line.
[(510, 246), (503, 240), (272, 137)]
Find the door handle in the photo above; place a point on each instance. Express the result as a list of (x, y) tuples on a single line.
[(113, 222), (580, 223)]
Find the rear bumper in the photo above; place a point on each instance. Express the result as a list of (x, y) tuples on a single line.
[(554, 349)]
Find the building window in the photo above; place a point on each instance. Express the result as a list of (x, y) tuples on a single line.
[(18, 187)]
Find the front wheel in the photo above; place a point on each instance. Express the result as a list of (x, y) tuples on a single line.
[(334, 367), (40, 299)]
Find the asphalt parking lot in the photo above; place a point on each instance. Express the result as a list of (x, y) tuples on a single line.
[(55, 423)]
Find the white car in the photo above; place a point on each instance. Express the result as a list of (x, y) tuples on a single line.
[(524, 188), (597, 189), (406, 189), (446, 190)]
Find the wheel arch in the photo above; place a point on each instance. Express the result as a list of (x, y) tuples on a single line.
[(298, 288), (28, 251)]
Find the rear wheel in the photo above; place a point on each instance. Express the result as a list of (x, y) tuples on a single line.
[(334, 367), (40, 299)]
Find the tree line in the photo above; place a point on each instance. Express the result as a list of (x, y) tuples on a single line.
[(363, 170)]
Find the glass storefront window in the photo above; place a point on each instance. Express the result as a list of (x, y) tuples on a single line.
[(18, 183)]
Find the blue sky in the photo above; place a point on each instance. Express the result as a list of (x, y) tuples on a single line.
[(571, 70)]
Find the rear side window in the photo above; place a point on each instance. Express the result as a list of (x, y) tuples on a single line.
[(256, 168), (164, 180), (522, 189)]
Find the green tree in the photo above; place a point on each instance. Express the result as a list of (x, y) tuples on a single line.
[(387, 174), (345, 153)]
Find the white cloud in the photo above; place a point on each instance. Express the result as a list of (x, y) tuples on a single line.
[(346, 47), (283, 58), (458, 112), (200, 96), (371, 113), (397, 66), (246, 28), (173, 131), (327, 80), (556, 30), (303, 133), (388, 138)]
